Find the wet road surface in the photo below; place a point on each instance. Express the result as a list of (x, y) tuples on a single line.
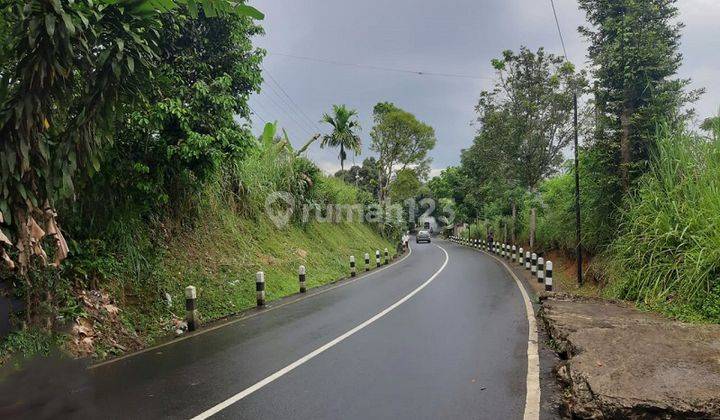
[(443, 333)]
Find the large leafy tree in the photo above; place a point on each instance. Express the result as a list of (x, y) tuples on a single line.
[(401, 141), (344, 132), (525, 122), (634, 51), (69, 67), (365, 177), (186, 125)]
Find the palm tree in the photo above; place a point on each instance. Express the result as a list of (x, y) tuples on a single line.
[(344, 124)]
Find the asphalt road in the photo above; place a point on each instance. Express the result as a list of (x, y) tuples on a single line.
[(442, 333)]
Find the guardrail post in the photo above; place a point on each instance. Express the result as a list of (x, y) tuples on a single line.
[(260, 288), (352, 266), (548, 276), (527, 260), (377, 257), (541, 270), (520, 258), (190, 308), (301, 278), (514, 253), (533, 264), (387, 258), (367, 262)]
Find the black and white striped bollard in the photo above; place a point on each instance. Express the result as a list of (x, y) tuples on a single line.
[(541, 270), (520, 257), (533, 264), (260, 288), (367, 262), (301, 278), (548, 276), (377, 257), (527, 260), (514, 253), (190, 308), (387, 257), (352, 266)]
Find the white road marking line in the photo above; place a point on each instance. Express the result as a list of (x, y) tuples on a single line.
[(532, 398), (287, 369), (235, 320)]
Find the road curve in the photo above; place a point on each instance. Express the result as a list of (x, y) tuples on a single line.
[(440, 334)]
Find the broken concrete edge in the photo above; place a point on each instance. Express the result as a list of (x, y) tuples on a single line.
[(579, 400)]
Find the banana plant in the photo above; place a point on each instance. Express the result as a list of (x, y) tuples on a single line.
[(70, 65)]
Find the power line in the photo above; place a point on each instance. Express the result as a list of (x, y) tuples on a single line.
[(289, 109), (312, 123), (273, 117), (288, 114), (557, 23), (381, 68), (256, 113)]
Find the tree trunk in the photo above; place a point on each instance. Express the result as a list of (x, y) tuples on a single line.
[(342, 157), (532, 228), (514, 218), (625, 148), (505, 232)]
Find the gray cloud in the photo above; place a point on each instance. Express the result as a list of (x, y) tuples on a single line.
[(458, 37)]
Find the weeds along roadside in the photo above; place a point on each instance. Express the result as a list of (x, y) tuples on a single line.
[(214, 237)]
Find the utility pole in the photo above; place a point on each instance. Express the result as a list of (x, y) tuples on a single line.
[(578, 243)]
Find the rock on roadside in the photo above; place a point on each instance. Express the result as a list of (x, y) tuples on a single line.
[(620, 362)]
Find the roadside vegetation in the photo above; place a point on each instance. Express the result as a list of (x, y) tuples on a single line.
[(117, 193), (648, 181)]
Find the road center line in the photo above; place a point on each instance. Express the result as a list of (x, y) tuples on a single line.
[(287, 369)]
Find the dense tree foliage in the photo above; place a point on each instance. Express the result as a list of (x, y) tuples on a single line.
[(524, 123), (365, 177), (634, 52), (69, 67), (401, 142)]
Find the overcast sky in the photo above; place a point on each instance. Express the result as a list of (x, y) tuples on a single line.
[(457, 37)]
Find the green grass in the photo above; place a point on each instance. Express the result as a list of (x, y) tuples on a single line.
[(28, 343), (667, 256), (220, 257)]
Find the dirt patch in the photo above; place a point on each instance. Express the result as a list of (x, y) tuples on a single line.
[(101, 327), (624, 363)]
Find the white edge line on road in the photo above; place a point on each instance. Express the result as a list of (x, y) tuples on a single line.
[(532, 399), (287, 369), (234, 320)]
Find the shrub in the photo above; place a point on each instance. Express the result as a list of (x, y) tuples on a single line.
[(668, 250)]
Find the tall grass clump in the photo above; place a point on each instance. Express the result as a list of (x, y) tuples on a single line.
[(667, 254)]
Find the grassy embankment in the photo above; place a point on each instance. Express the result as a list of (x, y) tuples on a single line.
[(661, 251)]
